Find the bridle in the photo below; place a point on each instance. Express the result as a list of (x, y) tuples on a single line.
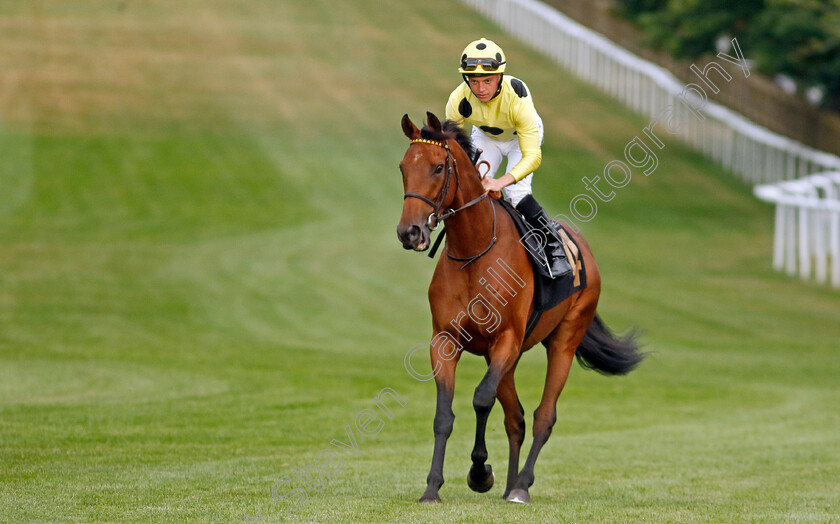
[(436, 217)]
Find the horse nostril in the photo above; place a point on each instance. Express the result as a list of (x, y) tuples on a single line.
[(409, 236), (413, 233)]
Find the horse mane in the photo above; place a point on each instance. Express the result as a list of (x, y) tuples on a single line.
[(449, 130)]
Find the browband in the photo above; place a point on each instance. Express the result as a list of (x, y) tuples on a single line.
[(432, 142)]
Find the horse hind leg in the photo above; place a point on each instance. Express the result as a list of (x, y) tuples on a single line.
[(560, 346), (514, 426)]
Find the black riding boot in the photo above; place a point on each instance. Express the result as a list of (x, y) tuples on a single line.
[(557, 263)]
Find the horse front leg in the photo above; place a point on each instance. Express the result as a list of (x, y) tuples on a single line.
[(502, 359), (444, 420)]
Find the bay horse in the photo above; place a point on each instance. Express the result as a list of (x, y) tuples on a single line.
[(442, 184)]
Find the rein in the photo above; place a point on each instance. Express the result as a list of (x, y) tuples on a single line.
[(470, 260), (436, 217)]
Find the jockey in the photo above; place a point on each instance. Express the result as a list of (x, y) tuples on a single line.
[(505, 125)]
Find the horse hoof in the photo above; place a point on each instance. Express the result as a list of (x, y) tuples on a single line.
[(430, 499), (484, 486), (519, 495)]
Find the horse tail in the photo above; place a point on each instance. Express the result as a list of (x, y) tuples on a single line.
[(607, 353)]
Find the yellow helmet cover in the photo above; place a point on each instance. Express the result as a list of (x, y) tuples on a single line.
[(482, 57)]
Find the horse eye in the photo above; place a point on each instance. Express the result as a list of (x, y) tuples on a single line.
[(439, 169)]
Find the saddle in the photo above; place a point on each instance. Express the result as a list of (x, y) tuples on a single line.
[(548, 292)]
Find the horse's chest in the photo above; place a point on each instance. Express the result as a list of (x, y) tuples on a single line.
[(479, 315)]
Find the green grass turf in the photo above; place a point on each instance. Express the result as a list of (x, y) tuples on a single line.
[(200, 284)]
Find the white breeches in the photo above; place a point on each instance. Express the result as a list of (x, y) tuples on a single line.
[(493, 151)]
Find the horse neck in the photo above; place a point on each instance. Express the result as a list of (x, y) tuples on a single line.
[(469, 231)]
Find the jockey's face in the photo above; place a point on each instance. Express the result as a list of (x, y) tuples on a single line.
[(484, 87)]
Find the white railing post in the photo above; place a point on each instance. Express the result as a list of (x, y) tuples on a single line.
[(807, 225)]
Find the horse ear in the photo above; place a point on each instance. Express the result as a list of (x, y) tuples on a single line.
[(432, 120), (409, 128)]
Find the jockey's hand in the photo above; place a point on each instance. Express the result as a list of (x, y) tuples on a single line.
[(495, 185)]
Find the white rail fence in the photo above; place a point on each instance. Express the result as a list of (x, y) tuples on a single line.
[(755, 154), (807, 235)]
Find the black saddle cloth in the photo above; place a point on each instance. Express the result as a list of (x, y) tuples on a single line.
[(548, 292)]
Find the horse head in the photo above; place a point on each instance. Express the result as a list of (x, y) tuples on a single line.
[(429, 173)]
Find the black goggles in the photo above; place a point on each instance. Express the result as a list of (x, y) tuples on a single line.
[(488, 64)]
